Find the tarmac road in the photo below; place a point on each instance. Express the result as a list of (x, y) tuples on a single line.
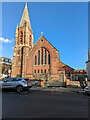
[(41, 104)]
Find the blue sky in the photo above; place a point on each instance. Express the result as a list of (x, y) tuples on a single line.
[(64, 25)]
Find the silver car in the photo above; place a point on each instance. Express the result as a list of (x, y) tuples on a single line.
[(87, 89), (16, 83)]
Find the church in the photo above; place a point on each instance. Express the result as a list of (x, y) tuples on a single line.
[(36, 61)]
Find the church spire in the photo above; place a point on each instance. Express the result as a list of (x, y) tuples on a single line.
[(17, 28), (26, 5), (25, 18), (17, 31)]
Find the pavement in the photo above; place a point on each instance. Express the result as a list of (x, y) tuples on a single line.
[(58, 89)]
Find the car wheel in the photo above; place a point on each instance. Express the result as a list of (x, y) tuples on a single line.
[(28, 89), (19, 89), (88, 92)]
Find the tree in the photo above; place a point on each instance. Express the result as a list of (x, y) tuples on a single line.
[(19, 75)]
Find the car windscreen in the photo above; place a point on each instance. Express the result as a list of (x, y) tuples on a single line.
[(16, 79), (26, 79), (8, 80)]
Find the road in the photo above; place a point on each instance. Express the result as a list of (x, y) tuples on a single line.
[(38, 104)]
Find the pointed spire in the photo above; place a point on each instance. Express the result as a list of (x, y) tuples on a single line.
[(26, 5), (17, 26), (17, 29), (25, 17)]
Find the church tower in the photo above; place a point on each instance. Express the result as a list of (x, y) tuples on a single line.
[(23, 44)]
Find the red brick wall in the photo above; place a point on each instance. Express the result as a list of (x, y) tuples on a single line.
[(82, 71), (26, 45), (54, 58), (67, 69), (73, 83)]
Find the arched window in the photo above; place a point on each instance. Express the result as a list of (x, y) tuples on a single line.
[(35, 71), (45, 57), (38, 57), (45, 71), (35, 60), (41, 71), (49, 59), (18, 51), (21, 38), (38, 70), (42, 56), (30, 40)]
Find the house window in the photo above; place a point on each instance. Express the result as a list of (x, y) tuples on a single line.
[(35, 60), (41, 71), (38, 57), (9, 60), (49, 59), (35, 71), (45, 58), (69, 74), (76, 77), (45, 71), (38, 70), (6, 60), (21, 38), (41, 40), (42, 56)]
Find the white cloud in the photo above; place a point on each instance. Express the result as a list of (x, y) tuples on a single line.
[(5, 40), (12, 47)]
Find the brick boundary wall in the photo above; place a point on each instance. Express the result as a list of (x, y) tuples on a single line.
[(76, 83)]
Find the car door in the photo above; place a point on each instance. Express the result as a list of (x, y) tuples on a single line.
[(15, 82), (7, 83)]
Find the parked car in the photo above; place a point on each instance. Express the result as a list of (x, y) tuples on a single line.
[(87, 89), (35, 83), (16, 83)]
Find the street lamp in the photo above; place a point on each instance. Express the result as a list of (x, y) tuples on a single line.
[(9, 71)]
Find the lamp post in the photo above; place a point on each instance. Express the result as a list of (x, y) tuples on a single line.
[(9, 71)]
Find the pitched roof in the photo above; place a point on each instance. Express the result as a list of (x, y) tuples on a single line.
[(47, 41), (25, 17), (50, 43), (88, 61), (81, 70), (60, 68), (64, 65)]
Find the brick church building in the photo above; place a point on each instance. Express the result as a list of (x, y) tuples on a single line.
[(39, 60)]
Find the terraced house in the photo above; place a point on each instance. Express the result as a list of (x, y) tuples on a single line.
[(39, 60), (5, 67)]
